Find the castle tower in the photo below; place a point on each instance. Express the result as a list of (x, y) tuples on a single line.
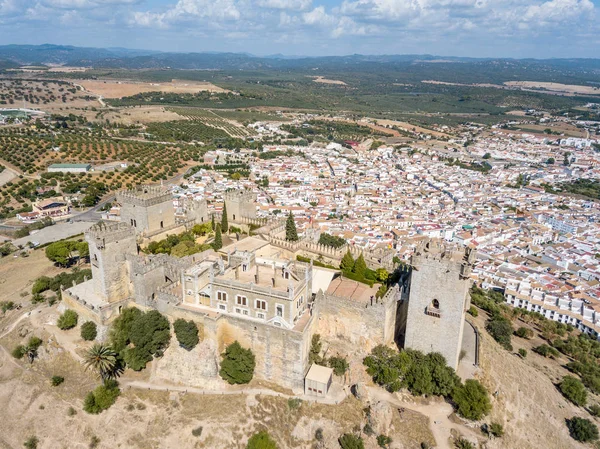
[(109, 245), (438, 300), (148, 209), (197, 210), (240, 204)]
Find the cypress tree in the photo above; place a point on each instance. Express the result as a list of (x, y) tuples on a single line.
[(224, 222), (291, 234), (212, 222), (347, 263), (217, 244), (360, 267)]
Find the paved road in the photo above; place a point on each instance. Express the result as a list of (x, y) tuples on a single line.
[(94, 213), (56, 232)]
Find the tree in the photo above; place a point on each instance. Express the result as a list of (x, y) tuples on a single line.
[(218, 241), (291, 234), (360, 267), (149, 335), (238, 364), (57, 380), (524, 332), (347, 262), (89, 331), (103, 360), (212, 222), (186, 333), (582, 429), (472, 400), (487, 156), (573, 390), (83, 249), (261, 440), (523, 352), (224, 222), (314, 354), (67, 320), (349, 441), (550, 161), (501, 330), (339, 365), (382, 274), (59, 252)]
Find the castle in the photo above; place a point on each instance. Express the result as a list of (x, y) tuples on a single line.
[(256, 292)]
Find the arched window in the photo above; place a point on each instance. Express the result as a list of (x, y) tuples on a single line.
[(435, 304)]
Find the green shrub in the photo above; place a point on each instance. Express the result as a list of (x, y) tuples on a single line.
[(238, 364), (524, 332), (349, 441), (5, 306), (368, 430), (261, 440), (594, 410), (473, 311), (71, 411), (67, 320), (546, 351), (501, 330), (383, 441), (339, 365), (19, 352), (523, 352), (94, 442), (102, 397), (582, 429), (472, 400), (463, 443), (496, 429), (31, 442), (186, 333), (573, 390), (294, 403), (197, 431), (89, 331), (57, 380)]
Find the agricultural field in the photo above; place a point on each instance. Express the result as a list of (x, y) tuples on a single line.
[(212, 119), (184, 130), (31, 153), (118, 89), (32, 93)]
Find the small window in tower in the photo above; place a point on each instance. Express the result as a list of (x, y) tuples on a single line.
[(161, 225), (435, 304)]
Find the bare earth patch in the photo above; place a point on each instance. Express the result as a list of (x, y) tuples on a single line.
[(118, 89), (556, 87), (322, 80)]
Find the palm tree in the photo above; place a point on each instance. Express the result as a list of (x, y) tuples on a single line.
[(103, 360)]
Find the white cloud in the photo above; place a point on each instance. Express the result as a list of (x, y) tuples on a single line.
[(294, 5), (558, 10)]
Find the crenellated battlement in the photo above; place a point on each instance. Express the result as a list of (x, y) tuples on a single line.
[(240, 196), (145, 196), (109, 232)]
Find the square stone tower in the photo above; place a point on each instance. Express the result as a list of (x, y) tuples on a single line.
[(148, 209), (110, 244), (240, 204), (438, 300)]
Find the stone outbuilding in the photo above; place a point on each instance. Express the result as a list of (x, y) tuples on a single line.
[(318, 380)]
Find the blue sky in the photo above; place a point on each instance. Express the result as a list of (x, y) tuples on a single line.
[(478, 28)]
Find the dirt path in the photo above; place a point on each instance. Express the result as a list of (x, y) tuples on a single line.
[(438, 414), (220, 392)]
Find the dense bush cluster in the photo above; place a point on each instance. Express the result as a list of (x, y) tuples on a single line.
[(180, 245), (237, 366), (102, 397), (331, 240), (68, 320), (426, 375), (186, 333), (139, 336)]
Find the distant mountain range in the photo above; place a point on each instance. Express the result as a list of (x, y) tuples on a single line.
[(16, 55)]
